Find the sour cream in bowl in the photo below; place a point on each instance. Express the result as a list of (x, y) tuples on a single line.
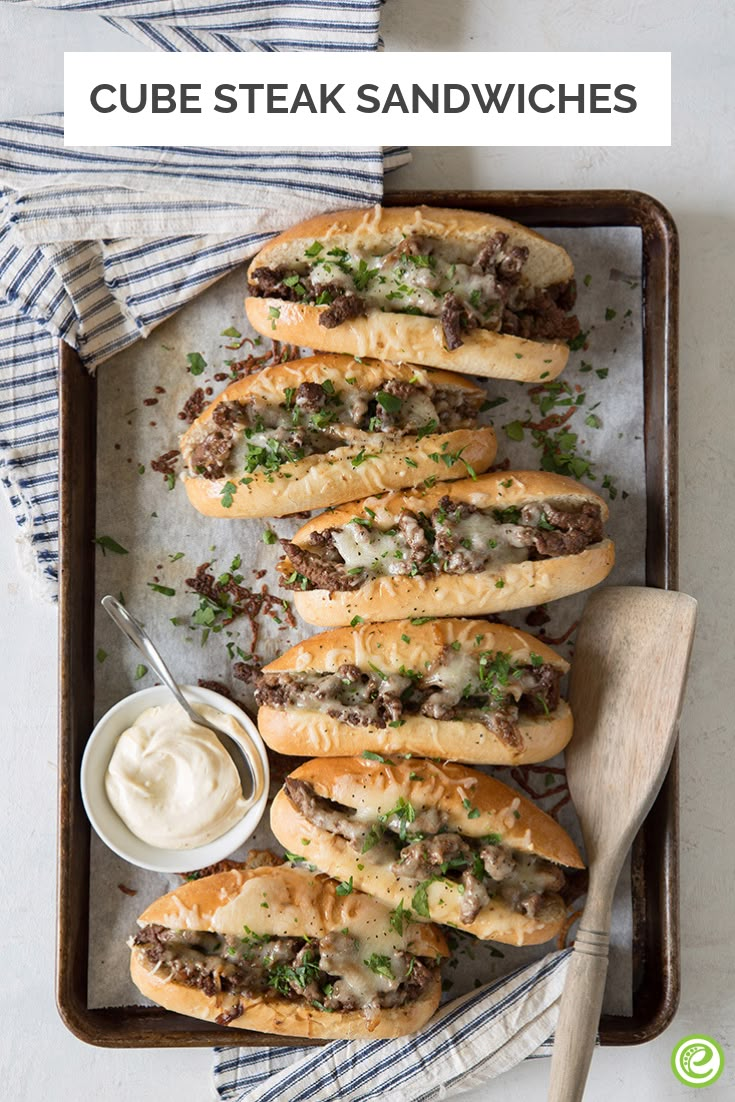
[(161, 791)]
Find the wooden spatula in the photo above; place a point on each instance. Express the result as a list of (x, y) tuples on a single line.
[(628, 675)]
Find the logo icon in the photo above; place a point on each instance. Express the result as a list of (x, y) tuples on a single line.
[(697, 1060)]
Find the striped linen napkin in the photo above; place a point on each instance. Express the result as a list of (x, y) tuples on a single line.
[(238, 25), (469, 1042), (99, 246)]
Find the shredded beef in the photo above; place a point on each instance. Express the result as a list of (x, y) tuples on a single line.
[(193, 406), (166, 463), (311, 397), (545, 316), (324, 542), (498, 862), (455, 408), (268, 283), (322, 812), (415, 537), (421, 860), (503, 725), (453, 319), (475, 897), (490, 252), (210, 456), (322, 574), (544, 696), (344, 307)]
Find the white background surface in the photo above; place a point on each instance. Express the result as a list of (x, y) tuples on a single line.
[(39, 1061)]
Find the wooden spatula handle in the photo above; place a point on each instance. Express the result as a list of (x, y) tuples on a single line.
[(579, 1015)]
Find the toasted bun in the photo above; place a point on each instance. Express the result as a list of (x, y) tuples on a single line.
[(300, 731), (402, 337), (300, 904), (374, 788), (393, 597), (318, 481)]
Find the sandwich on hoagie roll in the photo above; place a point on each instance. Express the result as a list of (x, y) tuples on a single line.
[(282, 950), (464, 690), (323, 430), (500, 541), (457, 289), (445, 842)]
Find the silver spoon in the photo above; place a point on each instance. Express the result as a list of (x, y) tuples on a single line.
[(248, 766)]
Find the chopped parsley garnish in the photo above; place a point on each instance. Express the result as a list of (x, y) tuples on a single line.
[(609, 485), (269, 536), (196, 362), (420, 901), (379, 964), (314, 249), (372, 756), (283, 976), (107, 543), (472, 812), (399, 918), (390, 402), (511, 515), (372, 837), (405, 812), (271, 455), (355, 621), (362, 275), (274, 313), (226, 494), (514, 430), (578, 342), (165, 590), (140, 672), (345, 888), (361, 457)]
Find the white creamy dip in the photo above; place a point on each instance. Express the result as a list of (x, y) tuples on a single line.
[(172, 782)]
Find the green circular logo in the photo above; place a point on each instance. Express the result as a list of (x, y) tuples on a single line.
[(698, 1060)]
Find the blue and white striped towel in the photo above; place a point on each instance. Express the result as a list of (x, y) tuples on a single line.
[(469, 1042), (98, 246), (239, 25)]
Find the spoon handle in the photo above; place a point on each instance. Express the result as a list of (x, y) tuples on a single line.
[(135, 632), (579, 1015)]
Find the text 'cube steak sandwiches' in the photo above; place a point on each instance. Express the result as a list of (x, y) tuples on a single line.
[(454, 289), (464, 690), (478, 546), (443, 842), (323, 430), (282, 950)]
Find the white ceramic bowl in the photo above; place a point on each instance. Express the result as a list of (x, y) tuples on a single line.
[(108, 824)]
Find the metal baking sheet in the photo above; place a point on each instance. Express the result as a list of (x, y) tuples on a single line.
[(655, 960)]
